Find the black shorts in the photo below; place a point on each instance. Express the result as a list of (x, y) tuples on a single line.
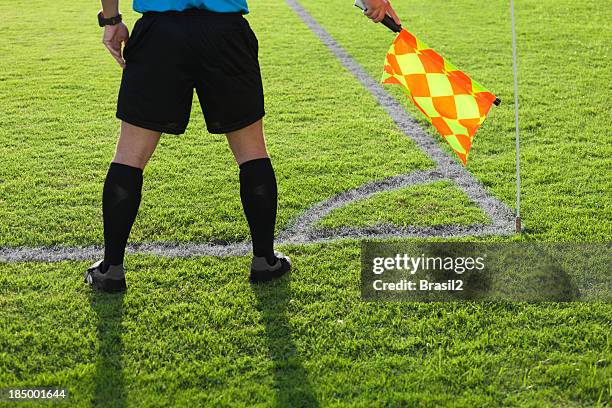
[(171, 53)]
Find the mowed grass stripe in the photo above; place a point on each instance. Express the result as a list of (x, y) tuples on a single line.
[(563, 80), (325, 132), (194, 332)]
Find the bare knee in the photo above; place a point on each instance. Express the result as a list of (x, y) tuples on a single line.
[(135, 145), (248, 143)]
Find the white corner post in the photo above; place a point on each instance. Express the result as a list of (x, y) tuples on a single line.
[(516, 123)]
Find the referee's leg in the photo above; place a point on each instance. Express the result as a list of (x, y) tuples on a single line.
[(123, 188), (258, 193)]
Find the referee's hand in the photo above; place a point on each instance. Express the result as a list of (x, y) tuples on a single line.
[(377, 9), (113, 38)]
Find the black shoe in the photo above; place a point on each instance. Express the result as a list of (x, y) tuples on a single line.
[(262, 271), (113, 280)]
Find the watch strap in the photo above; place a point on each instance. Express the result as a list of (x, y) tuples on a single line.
[(108, 21)]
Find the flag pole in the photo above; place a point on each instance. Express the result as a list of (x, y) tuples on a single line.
[(516, 123)]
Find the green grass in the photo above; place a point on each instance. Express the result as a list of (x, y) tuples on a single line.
[(193, 332), (431, 204)]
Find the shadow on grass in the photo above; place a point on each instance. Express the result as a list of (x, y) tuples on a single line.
[(293, 389), (109, 388)]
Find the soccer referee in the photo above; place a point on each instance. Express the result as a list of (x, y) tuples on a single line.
[(175, 47)]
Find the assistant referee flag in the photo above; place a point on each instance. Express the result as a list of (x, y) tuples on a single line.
[(454, 104)]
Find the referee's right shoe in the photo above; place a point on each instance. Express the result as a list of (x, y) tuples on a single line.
[(111, 281), (262, 271)]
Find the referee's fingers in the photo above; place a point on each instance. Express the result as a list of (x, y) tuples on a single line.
[(115, 53), (111, 48), (380, 15), (394, 15)]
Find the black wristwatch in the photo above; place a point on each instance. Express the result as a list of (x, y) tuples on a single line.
[(108, 21)]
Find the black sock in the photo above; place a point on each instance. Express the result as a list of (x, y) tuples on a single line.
[(120, 202), (258, 194)]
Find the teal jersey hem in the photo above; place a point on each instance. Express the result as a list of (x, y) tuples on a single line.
[(219, 6)]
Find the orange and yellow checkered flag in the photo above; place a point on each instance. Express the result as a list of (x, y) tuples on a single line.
[(454, 104)]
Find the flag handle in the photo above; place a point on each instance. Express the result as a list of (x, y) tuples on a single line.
[(391, 24), (518, 227), (387, 21)]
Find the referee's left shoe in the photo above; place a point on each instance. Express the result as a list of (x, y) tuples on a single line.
[(262, 271), (111, 281)]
